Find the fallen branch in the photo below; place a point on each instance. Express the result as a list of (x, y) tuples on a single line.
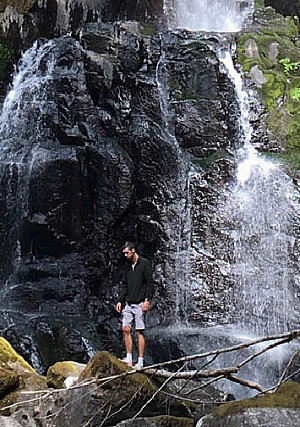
[(288, 335), (292, 360), (246, 383), (191, 374)]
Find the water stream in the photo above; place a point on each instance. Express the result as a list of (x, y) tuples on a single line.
[(260, 210), (208, 15), (262, 206)]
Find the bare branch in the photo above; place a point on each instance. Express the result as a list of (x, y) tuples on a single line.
[(289, 337), (191, 374), (292, 360), (246, 383), (269, 347), (157, 391)]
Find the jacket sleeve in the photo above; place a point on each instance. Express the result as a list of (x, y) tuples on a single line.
[(148, 277)]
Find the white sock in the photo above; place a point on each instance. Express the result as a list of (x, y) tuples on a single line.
[(129, 357), (140, 360)]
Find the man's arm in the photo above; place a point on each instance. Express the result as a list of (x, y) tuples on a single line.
[(148, 277)]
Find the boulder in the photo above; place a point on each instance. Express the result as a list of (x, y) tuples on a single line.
[(109, 392), (61, 371), (281, 408), (15, 375)]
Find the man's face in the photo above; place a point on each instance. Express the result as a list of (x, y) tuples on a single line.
[(129, 253)]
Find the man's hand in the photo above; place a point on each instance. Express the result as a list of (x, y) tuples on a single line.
[(119, 307), (146, 305)]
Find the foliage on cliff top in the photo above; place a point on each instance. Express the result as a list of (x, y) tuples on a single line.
[(272, 47), (287, 396), (5, 55), (20, 5)]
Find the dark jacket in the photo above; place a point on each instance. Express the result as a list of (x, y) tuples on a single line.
[(138, 283)]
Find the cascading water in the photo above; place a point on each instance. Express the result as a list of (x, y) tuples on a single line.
[(261, 206), (26, 104), (208, 15)]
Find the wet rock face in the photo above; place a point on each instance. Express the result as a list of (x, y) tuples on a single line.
[(95, 163), (24, 21)]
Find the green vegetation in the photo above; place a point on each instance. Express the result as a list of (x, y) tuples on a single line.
[(290, 68), (5, 55), (287, 396), (274, 50), (204, 162), (148, 30), (295, 93), (259, 4), (20, 5)]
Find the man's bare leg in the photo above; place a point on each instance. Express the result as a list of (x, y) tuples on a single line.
[(141, 343), (128, 341)]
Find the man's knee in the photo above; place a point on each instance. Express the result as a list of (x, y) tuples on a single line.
[(126, 329)]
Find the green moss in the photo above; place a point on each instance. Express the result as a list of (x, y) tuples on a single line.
[(273, 91), (204, 162), (8, 354), (104, 364), (259, 4), (290, 157), (287, 396), (295, 93), (188, 94), (148, 30), (5, 55), (272, 48), (57, 373), (20, 5), (173, 83), (15, 375), (170, 421)]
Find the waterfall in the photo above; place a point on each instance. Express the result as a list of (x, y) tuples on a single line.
[(261, 208), (208, 15), (21, 132), (26, 104)]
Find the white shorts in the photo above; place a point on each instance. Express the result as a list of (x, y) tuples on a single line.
[(134, 313)]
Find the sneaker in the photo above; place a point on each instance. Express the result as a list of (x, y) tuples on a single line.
[(127, 361), (138, 366)]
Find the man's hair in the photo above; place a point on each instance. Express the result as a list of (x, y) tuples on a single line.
[(129, 245)]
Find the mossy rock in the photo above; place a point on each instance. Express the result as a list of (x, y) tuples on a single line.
[(160, 421), (132, 390), (9, 381), (15, 375), (104, 364), (9, 355), (169, 421), (287, 396), (20, 5), (272, 48), (60, 371)]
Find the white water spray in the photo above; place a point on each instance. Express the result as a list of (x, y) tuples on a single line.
[(261, 208), (26, 102), (208, 15)]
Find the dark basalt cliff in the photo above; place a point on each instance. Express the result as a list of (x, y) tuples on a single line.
[(100, 164), (125, 133)]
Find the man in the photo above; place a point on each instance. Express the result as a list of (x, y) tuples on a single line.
[(137, 291)]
